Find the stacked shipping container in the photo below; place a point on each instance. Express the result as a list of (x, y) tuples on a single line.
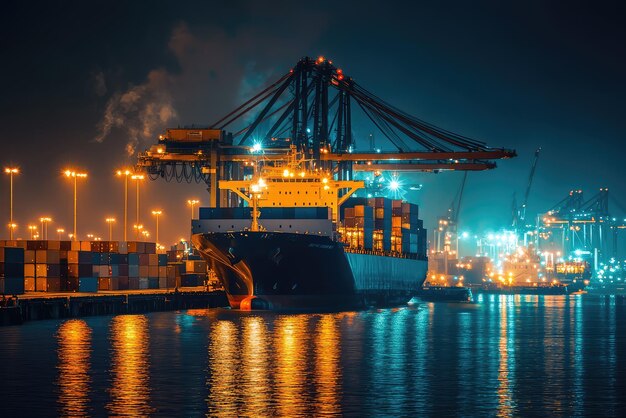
[(58, 266), (382, 224), (11, 271)]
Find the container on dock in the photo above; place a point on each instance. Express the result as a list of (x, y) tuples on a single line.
[(191, 280), (195, 266), (47, 256), (144, 271), (47, 284), (11, 285), (11, 255), (133, 283), (108, 283), (122, 283), (136, 247), (88, 284), (29, 256), (153, 271)]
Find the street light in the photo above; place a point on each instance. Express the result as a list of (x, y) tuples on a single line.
[(44, 226), (33, 229), (137, 229), (12, 227), (157, 213), (192, 203), (145, 234), (59, 232), (125, 173), (75, 176), (11, 171), (110, 221), (137, 178)]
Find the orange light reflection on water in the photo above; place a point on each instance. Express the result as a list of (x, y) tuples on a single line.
[(255, 380), (328, 375), (505, 401), (290, 344), (224, 362), (130, 366), (74, 352)]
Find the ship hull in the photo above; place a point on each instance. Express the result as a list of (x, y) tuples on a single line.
[(301, 272)]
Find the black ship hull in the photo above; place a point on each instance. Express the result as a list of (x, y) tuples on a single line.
[(285, 271)]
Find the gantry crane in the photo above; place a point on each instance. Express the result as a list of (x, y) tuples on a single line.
[(311, 107), (519, 213), (575, 224)]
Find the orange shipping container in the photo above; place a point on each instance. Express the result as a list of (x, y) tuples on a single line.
[(144, 271)]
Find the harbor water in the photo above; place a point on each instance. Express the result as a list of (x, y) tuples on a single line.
[(504, 355)]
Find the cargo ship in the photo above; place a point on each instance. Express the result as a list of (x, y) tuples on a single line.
[(302, 242)]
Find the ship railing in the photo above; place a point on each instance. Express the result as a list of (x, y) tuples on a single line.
[(395, 254)]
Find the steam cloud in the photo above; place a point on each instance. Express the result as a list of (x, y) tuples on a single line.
[(215, 74), (141, 111)]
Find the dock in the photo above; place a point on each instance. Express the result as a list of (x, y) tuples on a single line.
[(33, 306)]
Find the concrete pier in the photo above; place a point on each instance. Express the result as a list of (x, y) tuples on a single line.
[(35, 306)]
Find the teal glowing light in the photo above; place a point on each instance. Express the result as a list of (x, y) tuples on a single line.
[(257, 147)]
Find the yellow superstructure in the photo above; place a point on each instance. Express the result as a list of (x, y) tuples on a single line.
[(292, 183)]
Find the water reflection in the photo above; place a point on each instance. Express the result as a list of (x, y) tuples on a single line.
[(510, 356), (130, 365), (255, 357), (328, 375), (505, 349), (74, 351), (224, 362), (290, 343)]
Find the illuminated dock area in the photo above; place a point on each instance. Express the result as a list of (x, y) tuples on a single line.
[(33, 306)]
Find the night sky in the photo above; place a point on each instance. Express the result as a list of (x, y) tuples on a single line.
[(82, 82)]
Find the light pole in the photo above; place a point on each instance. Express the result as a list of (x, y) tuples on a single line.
[(125, 173), (12, 227), (44, 226), (59, 232), (145, 234), (137, 229), (75, 176), (192, 203), (137, 178), (157, 213), (110, 221), (33, 229), (11, 171)]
